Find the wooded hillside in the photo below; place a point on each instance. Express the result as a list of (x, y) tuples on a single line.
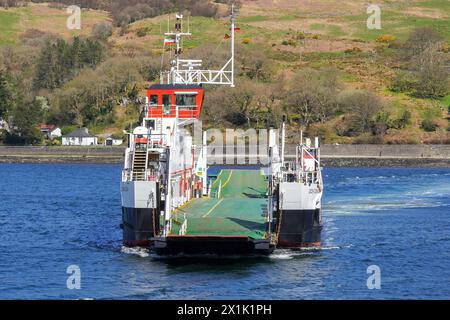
[(316, 62)]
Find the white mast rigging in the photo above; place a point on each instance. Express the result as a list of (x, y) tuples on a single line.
[(188, 71)]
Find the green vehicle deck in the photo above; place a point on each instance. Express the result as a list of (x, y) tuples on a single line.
[(237, 206)]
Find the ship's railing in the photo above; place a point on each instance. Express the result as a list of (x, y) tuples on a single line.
[(147, 141), (183, 229), (170, 111), (222, 76), (177, 221), (156, 140), (146, 175), (298, 171), (302, 176)]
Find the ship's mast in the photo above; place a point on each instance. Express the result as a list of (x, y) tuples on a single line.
[(189, 71), (177, 35), (233, 29)]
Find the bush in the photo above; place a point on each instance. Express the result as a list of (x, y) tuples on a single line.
[(403, 121), (142, 32), (68, 129), (344, 127), (353, 50), (386, 39), (428, 125), (403, 82), (102, 31), (445, 47), (300, 36), (381, 124), (289, 42), (325, 133), (53, 142)]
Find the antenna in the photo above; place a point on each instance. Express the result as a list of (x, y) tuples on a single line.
[(177, 36), (232, 45)]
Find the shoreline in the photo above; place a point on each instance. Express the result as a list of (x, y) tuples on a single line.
[(332, 155), (326, 161)]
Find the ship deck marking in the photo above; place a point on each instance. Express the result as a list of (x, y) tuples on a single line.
[(228, 180), (212, 209)]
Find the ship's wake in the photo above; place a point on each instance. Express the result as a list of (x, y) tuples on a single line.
[(138, 251)]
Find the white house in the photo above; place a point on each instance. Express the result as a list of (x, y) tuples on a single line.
[(112, 141), (55, 133), (80, 137), (50, 131)]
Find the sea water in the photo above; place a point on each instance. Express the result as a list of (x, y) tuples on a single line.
[(53, 217)]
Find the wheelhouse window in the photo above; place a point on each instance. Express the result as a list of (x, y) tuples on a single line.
[(167, 104), (153, 101), (185, 101)]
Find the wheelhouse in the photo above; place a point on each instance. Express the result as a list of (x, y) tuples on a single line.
[(174, 101)]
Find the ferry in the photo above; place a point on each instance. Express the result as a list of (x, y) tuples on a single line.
[(172, 203)]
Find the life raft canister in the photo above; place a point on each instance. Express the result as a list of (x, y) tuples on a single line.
[(140, 139)]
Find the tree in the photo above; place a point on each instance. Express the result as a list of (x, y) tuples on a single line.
[(8, 3), (242, 107), (60, 61), (311, 95), (89, 98), (362, 105), (420, 40), (252, 64), (432, 77), (250, 104), (6, 95), (27, 117), (44, 68), (425, 74)]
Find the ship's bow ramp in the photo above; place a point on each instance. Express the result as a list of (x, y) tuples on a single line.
[(235, 214)]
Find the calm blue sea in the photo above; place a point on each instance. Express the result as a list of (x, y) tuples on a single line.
[(54, 216)]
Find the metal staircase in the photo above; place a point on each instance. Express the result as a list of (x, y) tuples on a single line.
[(139, 160)]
